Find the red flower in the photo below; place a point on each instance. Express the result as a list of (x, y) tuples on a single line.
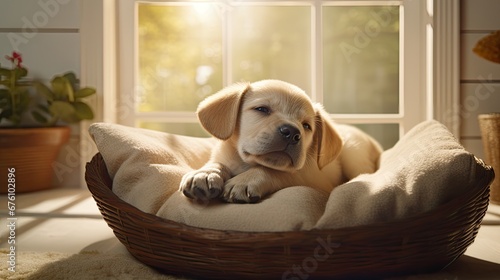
[(16, 58)]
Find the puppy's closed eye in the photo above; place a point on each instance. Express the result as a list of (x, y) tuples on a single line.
[(263, 109)]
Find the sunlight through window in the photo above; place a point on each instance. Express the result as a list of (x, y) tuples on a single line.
[(348, 60)]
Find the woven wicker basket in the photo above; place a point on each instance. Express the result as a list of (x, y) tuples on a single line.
[(424, 243)]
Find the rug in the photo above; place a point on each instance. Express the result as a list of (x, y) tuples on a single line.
[(97, 265), (84, 265)]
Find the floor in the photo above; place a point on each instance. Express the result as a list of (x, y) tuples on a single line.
[(68, 221)]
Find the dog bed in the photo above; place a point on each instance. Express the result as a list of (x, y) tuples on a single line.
[(417, 213)]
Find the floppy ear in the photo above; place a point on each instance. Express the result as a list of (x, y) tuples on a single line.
[(329, 143), (218, 113)]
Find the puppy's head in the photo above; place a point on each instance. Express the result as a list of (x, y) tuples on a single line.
[(271, 123)]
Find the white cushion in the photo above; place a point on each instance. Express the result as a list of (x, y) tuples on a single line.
[(426, 168)]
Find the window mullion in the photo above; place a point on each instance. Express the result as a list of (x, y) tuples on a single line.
[(172, 117), (227, 70), (317, 52), (367, 118)]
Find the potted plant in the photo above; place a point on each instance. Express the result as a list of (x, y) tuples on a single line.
[(34, 120)]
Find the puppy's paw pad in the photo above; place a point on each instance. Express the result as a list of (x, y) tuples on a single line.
[(203, 184), (215, 192)]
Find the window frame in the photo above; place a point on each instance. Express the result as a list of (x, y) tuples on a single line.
[(439, 23), (413, 104), (417, 62)]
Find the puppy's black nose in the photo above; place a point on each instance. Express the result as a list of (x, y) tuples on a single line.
[(290, 133)]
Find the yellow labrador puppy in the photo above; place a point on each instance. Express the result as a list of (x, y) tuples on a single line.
[(273, 137)]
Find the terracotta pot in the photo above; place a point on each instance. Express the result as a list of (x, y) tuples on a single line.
[(490, 134), (31, 152)]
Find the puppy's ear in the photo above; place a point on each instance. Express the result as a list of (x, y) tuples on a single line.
[(218, 113), (329, 142)]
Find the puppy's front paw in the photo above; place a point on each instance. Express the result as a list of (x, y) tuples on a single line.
[(205, 183), (241, 190)]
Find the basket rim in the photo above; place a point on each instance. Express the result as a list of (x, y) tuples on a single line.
[(485, 177)]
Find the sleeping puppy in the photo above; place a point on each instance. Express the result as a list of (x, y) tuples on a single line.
[(273, 137)]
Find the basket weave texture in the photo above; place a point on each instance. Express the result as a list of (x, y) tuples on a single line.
[(423, 243)]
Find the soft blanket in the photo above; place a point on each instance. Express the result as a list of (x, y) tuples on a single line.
[(425, 169)]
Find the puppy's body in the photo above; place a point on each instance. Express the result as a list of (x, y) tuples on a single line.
[(273, 137)]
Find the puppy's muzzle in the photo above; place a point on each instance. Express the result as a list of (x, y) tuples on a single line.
[(290, 134)]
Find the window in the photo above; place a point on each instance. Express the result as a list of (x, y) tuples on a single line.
[(362, 59)]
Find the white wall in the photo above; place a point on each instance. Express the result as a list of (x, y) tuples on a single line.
[(46, 33), (480, 79)]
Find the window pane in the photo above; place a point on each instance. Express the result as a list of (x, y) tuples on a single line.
[(361, 59), (180, 56), (386, 134), (189, 129), (271, 42)]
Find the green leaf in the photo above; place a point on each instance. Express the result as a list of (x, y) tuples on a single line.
[(45, 91), (19, 73), (5, 104), (72, 79), (62, 89), (83, 111), (39, 117), (63, 110), (5, 72), (84, 92), (43, 108), (58, 84), (23, 101), (4, 93), (5, 113), (15, 119)]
